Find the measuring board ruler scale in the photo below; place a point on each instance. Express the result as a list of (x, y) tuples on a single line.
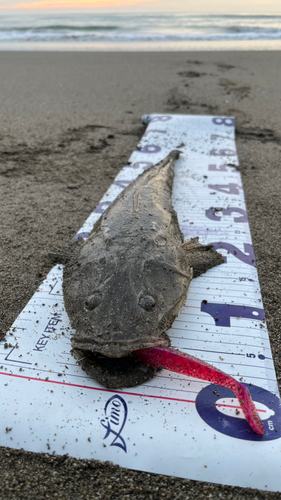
[(172, 425)]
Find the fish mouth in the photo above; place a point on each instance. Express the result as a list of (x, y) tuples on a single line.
[(120, 348), (114, 373), (114, 364)]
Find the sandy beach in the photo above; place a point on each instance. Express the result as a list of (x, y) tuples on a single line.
[(69, 122)]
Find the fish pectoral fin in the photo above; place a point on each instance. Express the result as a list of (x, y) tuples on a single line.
[(66, 254), (167, 266), (201, 257)]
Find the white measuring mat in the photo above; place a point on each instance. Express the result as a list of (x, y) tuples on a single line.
[(172, 425)]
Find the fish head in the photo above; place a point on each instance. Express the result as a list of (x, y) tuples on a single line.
[(130, 309)]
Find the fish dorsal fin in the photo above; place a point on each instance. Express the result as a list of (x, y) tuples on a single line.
[(201, 257)]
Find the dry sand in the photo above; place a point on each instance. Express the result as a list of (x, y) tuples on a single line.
[(69, 122)]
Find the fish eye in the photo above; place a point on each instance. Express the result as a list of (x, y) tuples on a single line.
[(93, 301), (146, 301)]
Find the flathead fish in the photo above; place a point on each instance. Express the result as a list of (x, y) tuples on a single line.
[(125, 285)]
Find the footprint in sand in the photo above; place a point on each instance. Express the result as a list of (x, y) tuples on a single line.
[(240, 90)]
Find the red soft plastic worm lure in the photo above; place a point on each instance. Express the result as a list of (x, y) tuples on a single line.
[(176, 361)]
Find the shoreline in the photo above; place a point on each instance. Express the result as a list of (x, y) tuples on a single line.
[(69, 123), (140, 46)]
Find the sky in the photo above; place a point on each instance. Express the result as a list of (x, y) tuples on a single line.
[(188, 6)]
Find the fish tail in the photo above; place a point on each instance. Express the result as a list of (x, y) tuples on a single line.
[(174, 154)]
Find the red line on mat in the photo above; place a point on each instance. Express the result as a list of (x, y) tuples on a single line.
[(96, 388), (115, 392), (238, 407)]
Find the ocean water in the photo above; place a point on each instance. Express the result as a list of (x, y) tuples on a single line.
[(178, 31)]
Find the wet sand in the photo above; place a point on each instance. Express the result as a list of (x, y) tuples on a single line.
[(69, 122)]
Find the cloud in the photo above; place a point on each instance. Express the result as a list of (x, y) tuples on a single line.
[(74, 4)]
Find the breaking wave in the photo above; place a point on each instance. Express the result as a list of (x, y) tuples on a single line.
[(125, 28)]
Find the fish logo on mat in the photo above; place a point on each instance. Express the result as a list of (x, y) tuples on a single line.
[(116, 411)]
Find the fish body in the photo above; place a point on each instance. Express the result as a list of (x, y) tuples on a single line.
[(125, 285)]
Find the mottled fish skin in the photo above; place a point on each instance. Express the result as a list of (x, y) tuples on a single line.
[(127, 282)]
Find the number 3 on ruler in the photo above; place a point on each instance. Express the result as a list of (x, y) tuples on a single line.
[(211, 213)]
